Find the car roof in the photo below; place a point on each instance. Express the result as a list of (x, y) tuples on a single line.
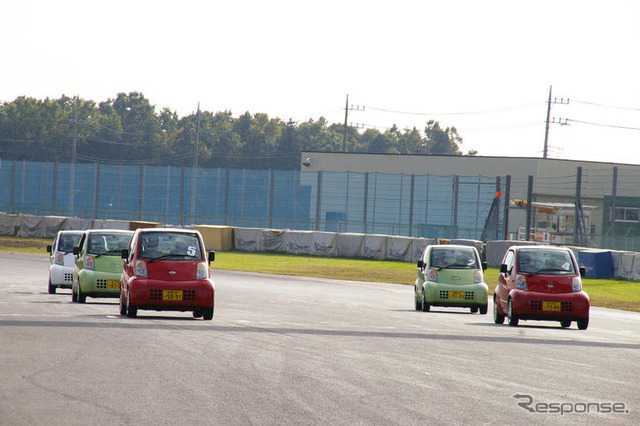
[(453, 246), (173, 230), (541, 247), (107, 230)]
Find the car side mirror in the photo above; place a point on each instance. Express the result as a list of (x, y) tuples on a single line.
[(212, 256), (49, 249), (484, 266), (503, 268), (124, 253), (420, 263), (583, 271), (76, 250)]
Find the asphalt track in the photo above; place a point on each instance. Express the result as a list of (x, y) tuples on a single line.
[(301, 351)]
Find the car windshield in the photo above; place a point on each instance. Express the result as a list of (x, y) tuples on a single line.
[(68, 242), (101, 243), (541, 261), (169, 245), (448, 257)]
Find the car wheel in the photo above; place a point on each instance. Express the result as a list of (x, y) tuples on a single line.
[(81, 297), (197, 313), (583, 323), (513, 320), (498, 318), (132, 310), (207, 313), (425, 305), (123, 307), (52, 288), (473, 309), (565, 324), (417, 300), (74, 298), (483, 309)]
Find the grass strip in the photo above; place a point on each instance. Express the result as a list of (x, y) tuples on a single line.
[(612, 293)]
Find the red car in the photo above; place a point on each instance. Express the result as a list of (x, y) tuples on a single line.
[(166, 269), (540, 283)]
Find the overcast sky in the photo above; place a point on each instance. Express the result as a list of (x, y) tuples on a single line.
[(485, 67)]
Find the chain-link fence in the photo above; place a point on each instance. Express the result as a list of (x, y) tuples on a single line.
[(602, 206)]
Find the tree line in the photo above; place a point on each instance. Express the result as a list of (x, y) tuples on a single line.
[(128, 130)]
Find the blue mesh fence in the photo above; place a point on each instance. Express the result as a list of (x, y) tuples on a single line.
[(394, 204)]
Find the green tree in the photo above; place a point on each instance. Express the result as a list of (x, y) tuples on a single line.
[(442, 142)]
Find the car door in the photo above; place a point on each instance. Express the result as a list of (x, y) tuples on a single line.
[(128, 264), (421, 278), (506, 280)]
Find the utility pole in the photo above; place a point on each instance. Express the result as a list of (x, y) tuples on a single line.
[(546, 131), (74, 150), (346, 117), (194, 175), (562, 123)]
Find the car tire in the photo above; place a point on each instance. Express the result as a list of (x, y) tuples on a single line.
[(498, 318), (132, 311), (583, 323), (81, 297), (123, 307), (207, 314), (425, 305), (74, 298), (483, 309), (513, 319), (197, 313), (565, 324), (417, 300), (52, 288), (474, 309)]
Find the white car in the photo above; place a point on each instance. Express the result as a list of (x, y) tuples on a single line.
[(62, 259)]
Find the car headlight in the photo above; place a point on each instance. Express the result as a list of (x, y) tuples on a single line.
[(432, 275), (90, 263), (477, 277), (59, 259), (202, 271), (576, 284), (521, 282), (141, 269)]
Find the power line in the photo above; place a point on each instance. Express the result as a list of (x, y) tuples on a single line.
[(602, 124), (489, 111), (606, 106)]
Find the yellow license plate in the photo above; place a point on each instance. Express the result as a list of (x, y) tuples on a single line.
[(551, 306), (171, 294), (456, 295), (113, 284)]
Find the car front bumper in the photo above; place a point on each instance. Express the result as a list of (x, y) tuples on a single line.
[(99, 284), (61, 276), (544, 306), (456, 295), (162, 295)]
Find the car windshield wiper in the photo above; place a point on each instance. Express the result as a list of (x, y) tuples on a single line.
[(167, 256), (458, 265), (109, 252), (539, 271)]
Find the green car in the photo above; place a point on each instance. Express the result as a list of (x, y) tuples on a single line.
[(98, 265), (451, 275)]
